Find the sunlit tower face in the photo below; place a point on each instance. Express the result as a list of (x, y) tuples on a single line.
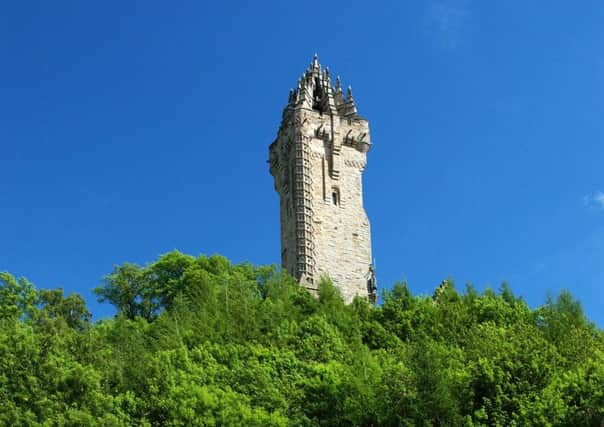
[(317, 161)]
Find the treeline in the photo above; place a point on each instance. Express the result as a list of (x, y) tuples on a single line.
[(200, 341)]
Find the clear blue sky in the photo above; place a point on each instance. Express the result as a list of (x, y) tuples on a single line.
[(128, 129)]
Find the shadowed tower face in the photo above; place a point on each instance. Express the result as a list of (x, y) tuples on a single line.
[(317, 161)]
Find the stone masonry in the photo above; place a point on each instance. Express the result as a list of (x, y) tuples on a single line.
[(317, 161)]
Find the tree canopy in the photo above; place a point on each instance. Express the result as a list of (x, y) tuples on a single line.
[(199, 341)]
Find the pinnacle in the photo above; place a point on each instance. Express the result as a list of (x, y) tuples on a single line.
[(315, 62), (338, 84)]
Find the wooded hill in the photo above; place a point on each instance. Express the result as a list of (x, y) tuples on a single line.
[(200, 341)]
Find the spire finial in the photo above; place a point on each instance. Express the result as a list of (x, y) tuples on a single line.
[(349, 93), (338, 84), (315, 61)]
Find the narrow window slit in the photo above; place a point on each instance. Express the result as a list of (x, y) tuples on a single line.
[(335, 196)]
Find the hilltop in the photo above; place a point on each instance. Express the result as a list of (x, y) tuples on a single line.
[(200, 341)]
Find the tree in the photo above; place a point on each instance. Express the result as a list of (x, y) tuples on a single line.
[(18, 297), (128, 289), (202, 341), (72, 309)]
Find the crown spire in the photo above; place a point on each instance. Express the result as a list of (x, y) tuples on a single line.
[(314, 91)]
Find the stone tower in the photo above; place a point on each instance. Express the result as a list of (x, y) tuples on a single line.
[(317, 161)]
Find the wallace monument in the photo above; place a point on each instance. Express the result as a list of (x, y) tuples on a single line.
[(317, 161)]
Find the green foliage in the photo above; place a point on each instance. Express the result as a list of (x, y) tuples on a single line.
[(203, 342), (18, 298)]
